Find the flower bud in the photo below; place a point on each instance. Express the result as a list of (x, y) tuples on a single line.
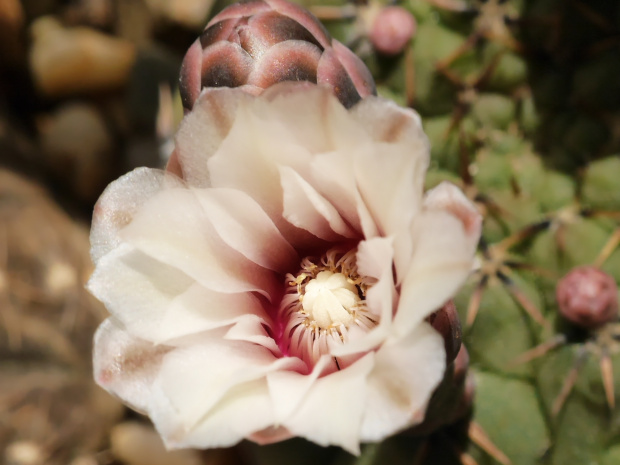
[(392, 28), (588, 297), (262, 42), (446, 322)]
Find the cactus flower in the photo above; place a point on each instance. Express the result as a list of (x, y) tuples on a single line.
[(258, 43), (278, 282)]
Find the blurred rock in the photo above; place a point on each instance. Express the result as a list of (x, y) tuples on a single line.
[(134, 22), (72, 61), (77, 146), (93, 12), (24, 453), (48, 398), (191, 14), (138, 444), (11, 24)]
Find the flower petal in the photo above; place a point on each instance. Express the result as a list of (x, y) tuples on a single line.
[(203, 129), (159, 303), (244, 410), (245, 227), (441, 261), (331, 411), (446, 196), (124, 365), (119, 203), (172, 227), (196, 378), (405, 374), (307, 209)]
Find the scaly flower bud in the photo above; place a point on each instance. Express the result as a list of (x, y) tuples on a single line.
[(588, 297), (262, 42)]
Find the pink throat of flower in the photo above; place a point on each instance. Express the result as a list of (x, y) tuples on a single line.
[(324, 305)]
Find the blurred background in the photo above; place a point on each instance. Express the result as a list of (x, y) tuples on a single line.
[(88, 91)]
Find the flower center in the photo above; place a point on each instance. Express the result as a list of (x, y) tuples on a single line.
[(330, 299), (322, 302)]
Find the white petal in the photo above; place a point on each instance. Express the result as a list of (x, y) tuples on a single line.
[(125, 365), (196, 378), (172, 227), (159, 303), (390, 179), (401, 382), (246, 161), (245, 227), (307, 209), (203, 130), (252, 329), (446, 196), (313, 116), (244, 410), (288, 388), (442, 259), (334, 177), (119, 203), (331, 411)]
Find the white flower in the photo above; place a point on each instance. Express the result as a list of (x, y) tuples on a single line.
[(279, 286)]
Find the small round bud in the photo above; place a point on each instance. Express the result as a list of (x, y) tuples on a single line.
[(392, 28), (446, 322), (588, 297)]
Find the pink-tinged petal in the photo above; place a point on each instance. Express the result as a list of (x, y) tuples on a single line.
[(225, 64), (125, 365), (446, 196), (119, 203), (245, 227), (238, 10), (405, 374), (159, 303), (202, 131), (441, 261), (197, 377), (292, 60), (331, 411), (172, 227), (303, 17), (190, 75), (357, 70), (332, 73), (305, 208), (244, 410), (385, 121), (270, 435)]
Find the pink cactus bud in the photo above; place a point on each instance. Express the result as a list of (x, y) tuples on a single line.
[(446, 322), (588, 297), (391, 30), (261, 42)]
